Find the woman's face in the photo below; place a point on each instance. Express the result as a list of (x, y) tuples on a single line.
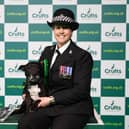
[(62, 34)]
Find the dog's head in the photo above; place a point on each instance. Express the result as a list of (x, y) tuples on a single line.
[(33, 72)]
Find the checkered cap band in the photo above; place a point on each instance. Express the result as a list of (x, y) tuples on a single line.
[(63, 18)]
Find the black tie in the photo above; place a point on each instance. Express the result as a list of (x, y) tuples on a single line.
[(58, 55)]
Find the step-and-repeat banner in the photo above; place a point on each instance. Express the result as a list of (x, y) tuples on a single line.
[(103, 31)]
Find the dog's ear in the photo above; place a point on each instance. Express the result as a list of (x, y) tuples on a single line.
[(21, 67)]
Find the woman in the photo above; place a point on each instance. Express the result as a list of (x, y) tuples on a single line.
[(68, 104)]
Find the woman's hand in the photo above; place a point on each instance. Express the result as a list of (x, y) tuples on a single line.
[(44, 101)]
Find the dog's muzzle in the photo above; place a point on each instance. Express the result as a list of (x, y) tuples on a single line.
[(33, 79)]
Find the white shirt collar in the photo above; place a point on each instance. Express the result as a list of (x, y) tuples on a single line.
[(61, 50), (64, 47)]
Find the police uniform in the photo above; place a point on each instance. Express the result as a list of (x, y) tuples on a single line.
[(68, 81)]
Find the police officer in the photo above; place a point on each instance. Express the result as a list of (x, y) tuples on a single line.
[(68, 104)]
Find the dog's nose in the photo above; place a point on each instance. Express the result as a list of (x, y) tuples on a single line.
[(34, 78), (31, 78)]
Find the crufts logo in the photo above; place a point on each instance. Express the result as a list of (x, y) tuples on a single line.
[(37, 51), (13, 69), (40, 14), (112, 107), (89, 14), (91, 51), (113, 70), (15, 33), (113, 33)]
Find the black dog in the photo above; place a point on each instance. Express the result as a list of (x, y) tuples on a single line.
[(33, 86)]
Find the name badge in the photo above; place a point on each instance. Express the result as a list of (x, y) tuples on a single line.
[(65, 72)]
